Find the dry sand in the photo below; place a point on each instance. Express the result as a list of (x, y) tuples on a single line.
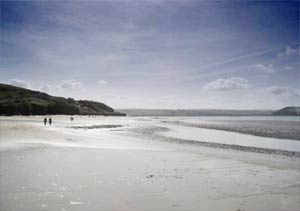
[(64, 169)]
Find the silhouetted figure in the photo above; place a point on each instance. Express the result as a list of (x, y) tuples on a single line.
[(45, 121), (71, 118), (50, 121)]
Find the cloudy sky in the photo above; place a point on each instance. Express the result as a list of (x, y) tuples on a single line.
[(157, 53)]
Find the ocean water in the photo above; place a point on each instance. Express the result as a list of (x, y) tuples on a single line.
[(238, 118)]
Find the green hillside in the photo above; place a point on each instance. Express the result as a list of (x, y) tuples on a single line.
[(20, 101)]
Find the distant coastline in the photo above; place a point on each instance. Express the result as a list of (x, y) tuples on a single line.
[(19, 101), (287, 111)]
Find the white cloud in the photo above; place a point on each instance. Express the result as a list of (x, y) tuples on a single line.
[(227, 84), (282, 91), (265, 68), (20, 83), (46, 88), (102, 82), (70, 85), (288, 51)]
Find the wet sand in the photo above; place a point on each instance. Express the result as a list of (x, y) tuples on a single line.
[(59, 168)]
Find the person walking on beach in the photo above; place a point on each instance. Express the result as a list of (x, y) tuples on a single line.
[(45, 121), (50, 121)]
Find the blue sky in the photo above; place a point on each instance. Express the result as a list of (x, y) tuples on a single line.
[(156, 53)]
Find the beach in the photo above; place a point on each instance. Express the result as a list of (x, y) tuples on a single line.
[(143, 163)]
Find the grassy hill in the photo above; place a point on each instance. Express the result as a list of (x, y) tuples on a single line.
[(20, 101)]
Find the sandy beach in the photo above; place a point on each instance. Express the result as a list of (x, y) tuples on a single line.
[(107, 163)]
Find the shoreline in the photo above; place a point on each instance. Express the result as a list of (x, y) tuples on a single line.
[(67, 169)]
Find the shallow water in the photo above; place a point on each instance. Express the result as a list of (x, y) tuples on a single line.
[(232, 138)]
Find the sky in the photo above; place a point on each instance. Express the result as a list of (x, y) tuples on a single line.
[(155, 53)]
